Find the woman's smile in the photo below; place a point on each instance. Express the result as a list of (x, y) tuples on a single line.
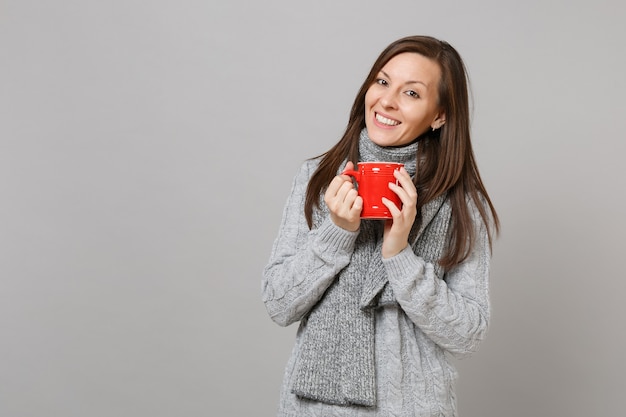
[(385, 121)]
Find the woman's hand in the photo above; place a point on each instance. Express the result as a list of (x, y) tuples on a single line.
[(396, 234), (343, 201)]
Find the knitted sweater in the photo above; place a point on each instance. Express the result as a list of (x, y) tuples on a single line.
[(433, 317)]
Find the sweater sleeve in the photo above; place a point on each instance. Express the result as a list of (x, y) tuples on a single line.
[(303, 263), (453, 312)]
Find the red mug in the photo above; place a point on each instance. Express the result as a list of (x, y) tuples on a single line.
[(372, 179)]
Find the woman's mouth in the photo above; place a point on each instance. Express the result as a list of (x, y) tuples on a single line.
[(385, 121)]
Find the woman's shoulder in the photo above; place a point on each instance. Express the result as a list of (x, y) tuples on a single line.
[(307, 168), (312, 163)]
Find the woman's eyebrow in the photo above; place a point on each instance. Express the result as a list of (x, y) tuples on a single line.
[(407, 82)]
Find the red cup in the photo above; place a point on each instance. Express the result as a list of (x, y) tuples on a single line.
[(372, 179)]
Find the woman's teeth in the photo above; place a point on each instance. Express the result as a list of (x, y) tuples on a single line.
[(385, 121)]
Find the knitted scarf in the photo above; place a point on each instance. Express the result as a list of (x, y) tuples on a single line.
[(336, 364)]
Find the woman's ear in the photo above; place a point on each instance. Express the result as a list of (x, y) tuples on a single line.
[(439, 121)]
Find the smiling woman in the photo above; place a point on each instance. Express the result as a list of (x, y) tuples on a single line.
[(382, 303), (404, 101)]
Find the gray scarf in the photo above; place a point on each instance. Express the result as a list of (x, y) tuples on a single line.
[(336, 364)]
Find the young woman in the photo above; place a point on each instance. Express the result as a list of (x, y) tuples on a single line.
[(381, 304)]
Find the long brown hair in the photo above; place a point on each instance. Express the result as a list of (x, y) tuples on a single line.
[(445, 158)]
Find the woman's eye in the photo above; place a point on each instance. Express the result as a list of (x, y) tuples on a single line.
[(413, 94), (381, 81)]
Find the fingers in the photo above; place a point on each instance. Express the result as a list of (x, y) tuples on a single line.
[(405, 189), (397, 230), (393, 209), (339, 180), (343, 201), (349, 167), (334, 186), (406, 192), (340, 191)]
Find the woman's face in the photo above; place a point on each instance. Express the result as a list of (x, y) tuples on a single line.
[(403, 101)]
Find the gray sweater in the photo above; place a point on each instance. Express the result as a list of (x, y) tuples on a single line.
[(433, 317)]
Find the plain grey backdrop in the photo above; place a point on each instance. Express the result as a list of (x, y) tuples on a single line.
[(147, 149)]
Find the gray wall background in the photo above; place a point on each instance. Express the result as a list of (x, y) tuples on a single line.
[(147, 149)]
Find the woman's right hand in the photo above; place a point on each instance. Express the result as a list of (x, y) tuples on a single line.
[(343, 201)]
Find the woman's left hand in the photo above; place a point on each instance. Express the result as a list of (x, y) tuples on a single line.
[(396, 234)]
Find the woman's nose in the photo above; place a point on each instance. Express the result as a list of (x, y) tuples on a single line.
[(388, 99)]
